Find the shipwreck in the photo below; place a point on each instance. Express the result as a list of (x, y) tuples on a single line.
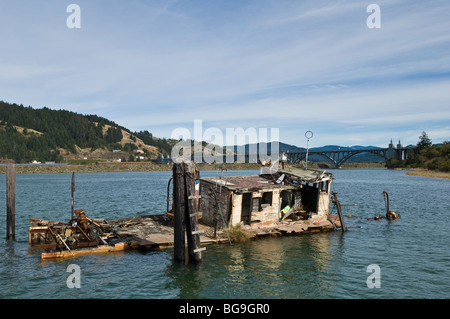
[(274, 203), (264, 199)]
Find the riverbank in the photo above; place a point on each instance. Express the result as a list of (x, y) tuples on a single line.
[(117, 167), (428, 173), (99, 167)]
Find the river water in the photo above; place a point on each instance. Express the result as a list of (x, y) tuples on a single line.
[(411, 255)]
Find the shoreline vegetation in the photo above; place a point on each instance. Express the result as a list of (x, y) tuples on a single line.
[(115, 167), (98, 167), (104, 167)]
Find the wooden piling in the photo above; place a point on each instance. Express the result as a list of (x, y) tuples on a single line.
[(179, 212), (191, 217), (73, 190), (185, 213), (339, 210), (10, 201)]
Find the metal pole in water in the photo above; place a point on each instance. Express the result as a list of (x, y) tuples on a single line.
[(10, 201), (62, 240), (73, 190)]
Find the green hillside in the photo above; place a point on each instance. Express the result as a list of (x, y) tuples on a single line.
[(28, 134)]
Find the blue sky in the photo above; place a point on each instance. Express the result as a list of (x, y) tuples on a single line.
[(293, 65)]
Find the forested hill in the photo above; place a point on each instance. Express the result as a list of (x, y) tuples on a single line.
[(28, 134)]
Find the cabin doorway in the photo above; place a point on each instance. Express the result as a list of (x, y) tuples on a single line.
[(286, 199), (246, 208), (310, 197)]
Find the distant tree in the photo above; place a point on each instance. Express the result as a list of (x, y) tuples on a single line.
[(424, 141), (113, 135)]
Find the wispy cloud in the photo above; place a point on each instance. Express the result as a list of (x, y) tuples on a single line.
[(158, 65)]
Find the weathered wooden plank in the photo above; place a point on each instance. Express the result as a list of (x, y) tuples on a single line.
[(199, 250), (337, 203), (97, 250)]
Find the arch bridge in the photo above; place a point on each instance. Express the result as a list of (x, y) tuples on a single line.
[(337, 157)]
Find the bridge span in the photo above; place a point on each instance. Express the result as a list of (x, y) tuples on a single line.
[(337, 157)]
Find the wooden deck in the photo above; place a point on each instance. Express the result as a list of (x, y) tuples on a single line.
[(155, 232)]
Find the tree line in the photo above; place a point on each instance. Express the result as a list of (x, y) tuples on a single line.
[(60, 129), (427, 155), (164, 146)]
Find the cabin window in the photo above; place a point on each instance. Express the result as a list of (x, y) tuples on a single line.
[(267, 198), (246, 208), (324, 186), (256, 204)]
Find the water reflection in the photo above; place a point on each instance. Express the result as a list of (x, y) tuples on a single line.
[(286, 267), (187, 280)]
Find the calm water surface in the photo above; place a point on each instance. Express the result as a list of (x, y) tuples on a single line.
[(412, 252)]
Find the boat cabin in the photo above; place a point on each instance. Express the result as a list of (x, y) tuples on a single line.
[(288, 194)]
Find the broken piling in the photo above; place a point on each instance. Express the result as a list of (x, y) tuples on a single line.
[(10, 201), (185, 213)]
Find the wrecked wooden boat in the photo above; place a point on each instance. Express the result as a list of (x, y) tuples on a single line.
[(286, 201), (67, 239), (288, 194)]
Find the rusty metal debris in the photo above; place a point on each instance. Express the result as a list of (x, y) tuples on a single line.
[(79, 232), (389, 214)]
